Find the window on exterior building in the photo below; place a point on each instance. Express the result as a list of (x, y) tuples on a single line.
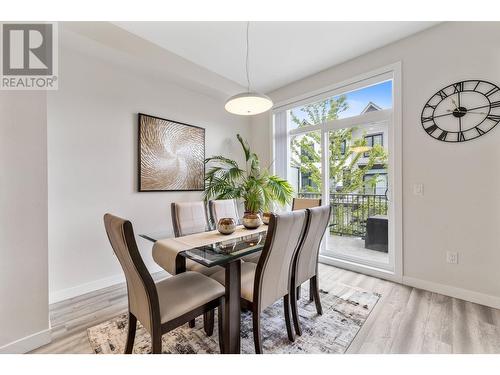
[(343, 147), (305, 164), (372, 140)]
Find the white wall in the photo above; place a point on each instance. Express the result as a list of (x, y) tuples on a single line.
[(24, 319), (460, 210), (92, 140)]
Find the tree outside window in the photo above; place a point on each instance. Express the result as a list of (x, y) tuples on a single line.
[(346, 174)]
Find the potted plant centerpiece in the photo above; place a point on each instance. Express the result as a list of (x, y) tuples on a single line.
[(255, 186)]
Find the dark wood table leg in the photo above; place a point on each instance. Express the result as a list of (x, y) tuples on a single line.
[(180, 264), (232, 314)]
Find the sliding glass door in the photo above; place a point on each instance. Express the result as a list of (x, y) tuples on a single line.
[(358, 188), (338, 149)]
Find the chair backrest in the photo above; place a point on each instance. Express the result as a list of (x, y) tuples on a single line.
[(303, 203), (273, 274), (223, 208), (142, 294), (306, 259), (189, 218)]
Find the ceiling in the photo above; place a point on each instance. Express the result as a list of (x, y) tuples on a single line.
[(280, 52)]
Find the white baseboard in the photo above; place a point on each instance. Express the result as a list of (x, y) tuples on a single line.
[(447, 290), (28, 343), (451, 291), (63, 294)]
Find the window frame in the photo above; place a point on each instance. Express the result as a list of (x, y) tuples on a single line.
[(372, 136), (394, 142)]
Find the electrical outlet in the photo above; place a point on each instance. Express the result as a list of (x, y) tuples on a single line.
[(452, 257)]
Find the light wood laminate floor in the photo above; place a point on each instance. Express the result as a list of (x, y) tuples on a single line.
[(405, 320)]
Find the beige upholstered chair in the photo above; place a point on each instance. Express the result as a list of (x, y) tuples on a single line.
[(264, 283), (189, 218), (305, 265), (223, 208), (163, 305), (303, 203)]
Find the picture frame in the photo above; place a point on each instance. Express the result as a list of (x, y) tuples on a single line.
[(171, 155)]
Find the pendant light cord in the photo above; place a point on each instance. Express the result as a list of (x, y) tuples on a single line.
[(246, 60)]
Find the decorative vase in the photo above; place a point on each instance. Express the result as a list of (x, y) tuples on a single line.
[(266, 216), (251, 220), (226, 225)]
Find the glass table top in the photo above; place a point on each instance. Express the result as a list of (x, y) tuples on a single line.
[(155, 236), (223, 252), (161, 235)]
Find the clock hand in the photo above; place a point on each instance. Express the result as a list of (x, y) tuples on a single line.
[(455, 103), (482, 106), (476, 113), (460, 118)]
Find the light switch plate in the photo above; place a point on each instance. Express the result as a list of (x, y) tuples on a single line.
[(418, 189), (452, 257)]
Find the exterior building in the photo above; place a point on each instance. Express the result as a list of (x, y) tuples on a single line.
[(375, 134)]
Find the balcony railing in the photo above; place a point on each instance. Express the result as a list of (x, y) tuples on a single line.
[(350, 211)]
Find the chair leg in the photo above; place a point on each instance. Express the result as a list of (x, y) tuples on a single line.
[(311, 292), (298, 293), (191, 323), (156, 341), (220, 314), (132, 326), (257, 339), (208, 322), (295, 315), (315, 288), (289, 328)]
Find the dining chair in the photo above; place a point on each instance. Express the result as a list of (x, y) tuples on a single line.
[(269, 280), (189, 218), (303, 203), (163, 305), (220, 208), (305, 263)]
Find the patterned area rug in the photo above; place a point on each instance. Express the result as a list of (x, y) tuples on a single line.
[(345, 309)]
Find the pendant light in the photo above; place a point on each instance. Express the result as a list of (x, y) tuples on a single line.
[(248, 103)]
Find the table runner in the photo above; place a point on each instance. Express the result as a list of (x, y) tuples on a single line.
[(165, 251)]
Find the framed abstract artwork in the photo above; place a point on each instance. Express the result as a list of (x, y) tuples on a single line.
[(171, 155)]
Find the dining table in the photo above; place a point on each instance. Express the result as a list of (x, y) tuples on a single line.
[(211, 248)]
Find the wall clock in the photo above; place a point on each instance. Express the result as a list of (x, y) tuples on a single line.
[(462, 111)]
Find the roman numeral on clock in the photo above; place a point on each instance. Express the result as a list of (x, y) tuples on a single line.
[(442, 136), (442, 94), (458, 87), (431, 129), (492, 91), (427, 119), (479, 130), (493, 117), (461, 137), (495, 104)]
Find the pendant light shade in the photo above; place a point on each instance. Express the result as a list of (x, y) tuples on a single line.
[(248, 103)]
